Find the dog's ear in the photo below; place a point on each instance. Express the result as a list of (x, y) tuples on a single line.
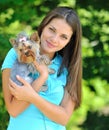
[(12, 41), (35, 37)]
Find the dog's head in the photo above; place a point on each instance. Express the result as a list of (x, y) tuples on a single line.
[(26, 47)]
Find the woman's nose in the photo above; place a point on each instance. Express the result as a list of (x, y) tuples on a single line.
[(55, 39)]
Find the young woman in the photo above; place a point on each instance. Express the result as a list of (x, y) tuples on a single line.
[(60, 35)]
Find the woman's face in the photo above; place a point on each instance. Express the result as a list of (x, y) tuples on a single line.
[(55, 36)]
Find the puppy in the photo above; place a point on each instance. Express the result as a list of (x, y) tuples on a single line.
[(28, 50)]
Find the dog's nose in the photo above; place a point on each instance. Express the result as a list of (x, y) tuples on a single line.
[(27, 53), (29, 47)]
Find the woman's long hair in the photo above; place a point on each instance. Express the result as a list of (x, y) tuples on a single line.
[(71, 53)]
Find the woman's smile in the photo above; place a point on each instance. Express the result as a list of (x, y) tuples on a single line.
[(50, 45), (55, 36)]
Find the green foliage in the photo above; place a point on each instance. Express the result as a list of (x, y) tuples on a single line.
[(95, 121), (95, 43), (4, 117), (18, 15)]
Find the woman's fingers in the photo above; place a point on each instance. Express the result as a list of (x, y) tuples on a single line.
[(41, 68), (23, 92), (11, 83), (12, 89), (22, 80)]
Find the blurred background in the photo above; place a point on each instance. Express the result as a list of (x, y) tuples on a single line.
[(18, 15)]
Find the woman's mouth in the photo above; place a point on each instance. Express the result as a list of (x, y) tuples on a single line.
[(49, 44)]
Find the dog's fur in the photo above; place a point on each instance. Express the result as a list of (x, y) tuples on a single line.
[(28, 50)]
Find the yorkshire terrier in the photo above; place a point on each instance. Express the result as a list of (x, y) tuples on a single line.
[(28, 50)]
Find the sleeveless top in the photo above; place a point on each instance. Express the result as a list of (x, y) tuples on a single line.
[(32, 118)]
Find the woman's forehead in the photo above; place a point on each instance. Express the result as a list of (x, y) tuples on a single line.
[(61, 25)]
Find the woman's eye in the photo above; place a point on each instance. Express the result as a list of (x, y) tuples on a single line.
[(64, 37)]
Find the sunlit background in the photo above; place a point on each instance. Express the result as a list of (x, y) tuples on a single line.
[(18, 15)]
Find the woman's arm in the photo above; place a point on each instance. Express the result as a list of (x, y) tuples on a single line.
[(60, 114), (52, 111), (14, 106), (43, 71)]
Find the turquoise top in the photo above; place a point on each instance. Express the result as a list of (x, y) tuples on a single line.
[(32, 118)]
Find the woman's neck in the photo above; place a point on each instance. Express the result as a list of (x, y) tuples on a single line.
[(50, 55)]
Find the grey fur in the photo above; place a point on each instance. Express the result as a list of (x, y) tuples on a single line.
[(22, 70)]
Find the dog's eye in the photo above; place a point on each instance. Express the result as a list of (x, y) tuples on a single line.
[(20, 50), (23, 44)]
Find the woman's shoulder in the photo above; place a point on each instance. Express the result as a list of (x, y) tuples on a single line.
[(11, 52), (9, 59)]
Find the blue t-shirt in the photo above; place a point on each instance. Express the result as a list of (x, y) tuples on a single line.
[(32, 118)]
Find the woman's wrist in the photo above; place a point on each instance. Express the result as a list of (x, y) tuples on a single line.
[(39, 82), (44, 75), (41, 68)]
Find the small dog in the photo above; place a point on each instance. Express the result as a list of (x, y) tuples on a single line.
[(28, 50)]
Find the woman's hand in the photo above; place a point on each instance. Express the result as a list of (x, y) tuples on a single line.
[(41, 68), (23, 92)]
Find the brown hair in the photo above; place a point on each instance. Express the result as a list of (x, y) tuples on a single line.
[(71, 53)]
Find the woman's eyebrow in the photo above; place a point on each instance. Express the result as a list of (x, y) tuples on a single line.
[(65, 35), (53, 27)]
